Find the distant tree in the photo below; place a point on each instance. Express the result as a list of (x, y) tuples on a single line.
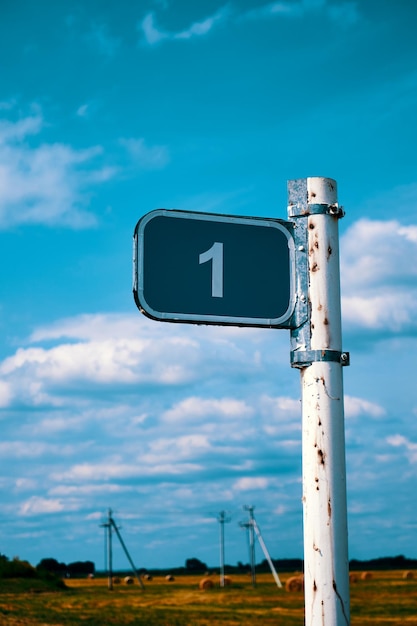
[(81, 567), (15, 568), (195, 565), (52, 566)]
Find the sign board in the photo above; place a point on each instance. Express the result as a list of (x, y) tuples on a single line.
[(214, 269)]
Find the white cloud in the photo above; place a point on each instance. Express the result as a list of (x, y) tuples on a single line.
[(5, 394), (15, 132), (344, 13), (399, 441), (280, 407), (359, 406), (113, 361), (104, 43), (378, 281), (115, 469), (147, 157), (153, 35), (37, 505), (174, 449), (88, 490), (33, 449), (25, 484), (99, 350), (392, 311), (46, 184), (82, 110), (93, 327), (378, 252), (250, 484), (202, 28), (195, 409), (91, 351)]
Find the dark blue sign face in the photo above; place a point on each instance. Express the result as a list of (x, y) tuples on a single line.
[(214, 269)]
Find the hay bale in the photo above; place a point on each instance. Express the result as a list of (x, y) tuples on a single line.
[(148, 576), (169, 578), (295, 583), (408, 575), (128, 580), (353, 578), (227, 581), (206, 583), (366, 575), (116, 580)]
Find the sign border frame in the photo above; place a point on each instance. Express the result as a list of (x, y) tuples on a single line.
[(286, 227)]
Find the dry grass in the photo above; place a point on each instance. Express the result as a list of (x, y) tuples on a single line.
[(387, 599)]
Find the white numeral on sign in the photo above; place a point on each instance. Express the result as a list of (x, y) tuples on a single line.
[(215, 254)]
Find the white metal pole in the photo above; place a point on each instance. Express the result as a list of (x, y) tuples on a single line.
[(326, 565)]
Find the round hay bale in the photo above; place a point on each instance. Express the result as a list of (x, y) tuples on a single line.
[(206, 583), (128, 580), (169, 578), (148, 576), (295, 583), (116, 580), (408, 575), (366, 575), (353, 578), (227, 581)]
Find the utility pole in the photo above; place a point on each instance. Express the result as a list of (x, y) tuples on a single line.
[(109, 526), (122, 543), (108, 549), (266, 553), (251, 537), (317, 352), (222, 521)]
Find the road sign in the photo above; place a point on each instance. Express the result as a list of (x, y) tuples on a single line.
[(214, 269)]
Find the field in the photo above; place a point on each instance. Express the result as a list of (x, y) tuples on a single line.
[(386, 598)]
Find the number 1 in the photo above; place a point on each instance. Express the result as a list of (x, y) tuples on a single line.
[(215, 254)]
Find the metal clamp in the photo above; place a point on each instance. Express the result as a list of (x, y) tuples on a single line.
[(295, 210), (305, 358)]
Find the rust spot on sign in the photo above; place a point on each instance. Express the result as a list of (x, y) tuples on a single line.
[(326, 321), (311, 226), (314, 267), (314, 586), (321, 456), (329, 251), (329, 508)]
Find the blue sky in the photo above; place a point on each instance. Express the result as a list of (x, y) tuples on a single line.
[(109, 110)]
